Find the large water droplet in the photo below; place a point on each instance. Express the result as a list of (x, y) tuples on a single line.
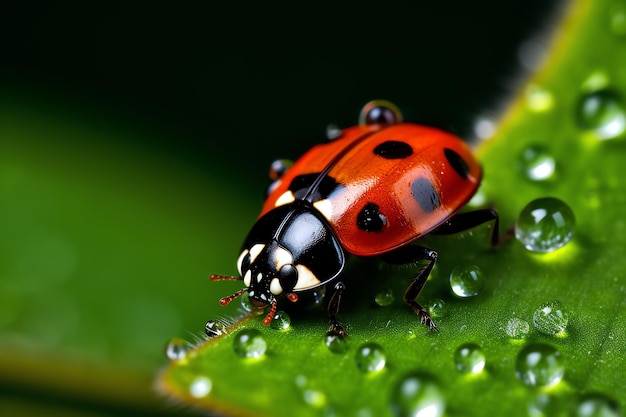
[(517, 328), (469, 358), (249, 343), (466, 281), (539, 365), (200, 387), (384, 298), (545, 224), (370, 357), (550, 318), (281, 321), (176, 349), (602, 112), (417, 394), (537, 163), (597, 405), (336, 343)]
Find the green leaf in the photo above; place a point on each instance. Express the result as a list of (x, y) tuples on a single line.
[(571, 111)]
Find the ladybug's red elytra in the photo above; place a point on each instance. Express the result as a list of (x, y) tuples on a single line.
[(373, 190)]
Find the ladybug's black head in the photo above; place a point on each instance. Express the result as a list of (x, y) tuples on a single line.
[(290, 249)]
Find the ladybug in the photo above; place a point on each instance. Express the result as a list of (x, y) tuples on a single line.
[(372, 191)]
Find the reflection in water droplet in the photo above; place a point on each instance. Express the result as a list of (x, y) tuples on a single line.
[(335, 343), (539, 365), (466, 281), (176, 349), (200, 387), (597, 405), (384, 298), (437, 308), (545, 224), (517, 328), (370, 357), (537, 164), (469, 358), (603, 113), (281, 321), (213, 328), (249, 343), (417, 394), (550, 318)]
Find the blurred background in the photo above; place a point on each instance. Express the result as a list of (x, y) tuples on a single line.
[(134, 148)]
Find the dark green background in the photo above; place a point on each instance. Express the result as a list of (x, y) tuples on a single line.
[(134, 146)]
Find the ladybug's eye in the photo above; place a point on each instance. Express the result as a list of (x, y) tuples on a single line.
[(288, 277), (380, 112)]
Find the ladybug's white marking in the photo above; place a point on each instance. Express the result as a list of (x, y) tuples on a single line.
[(306, 278), (255, 250), (275, 287), (283, 257), (286, 198), (325, 207), (240, 261), (259, 277), (247, 279)]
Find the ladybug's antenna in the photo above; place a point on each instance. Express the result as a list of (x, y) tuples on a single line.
[(215, 277), (270, 316), (226, 300)]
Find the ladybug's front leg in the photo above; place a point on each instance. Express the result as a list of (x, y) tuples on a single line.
[(415, 254), (336, 328)]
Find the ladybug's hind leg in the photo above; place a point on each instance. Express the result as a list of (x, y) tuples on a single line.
[(415, 254)]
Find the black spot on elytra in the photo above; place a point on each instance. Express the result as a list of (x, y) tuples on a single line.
[(300, 186), (370, 219), (425, 194), (393, 149), (458, 163)]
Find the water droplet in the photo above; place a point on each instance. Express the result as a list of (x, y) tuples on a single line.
[(437, 308), (517, 328), (597, 405), (370, 357), (200, 387), (279, 167), (247, 304), (550, 318), (538, 99), (469, 358), (466, 281), (249, 343), (176, 349), (537, 164), (333, 132), (281, 321), (214, 328), (602, 112), (384, 298), (417, 394), (545, 224), (484, 128), (546, 405), (539, 365), (336, 343)]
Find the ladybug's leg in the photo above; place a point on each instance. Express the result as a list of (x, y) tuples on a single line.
[(464, 221), (336, 328), (415, 254)]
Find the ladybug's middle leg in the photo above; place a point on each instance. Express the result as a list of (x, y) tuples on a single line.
[(415, 254)]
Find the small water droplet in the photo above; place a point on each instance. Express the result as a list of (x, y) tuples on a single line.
[(281, 321), (370, 357), (539, 365), (332, 131), (437, 308), (336, 343), (466, 281), (597, 405), (279, 167), (539, 99), (469, 358), (417, 394), (550, 318), (517, 328), (537, 163), (249, 343), (214, 328), (247, 304), (314, 397), (176, 349), (545, 224), (384, 298), (547, 405), (602, 112), (200, 387)]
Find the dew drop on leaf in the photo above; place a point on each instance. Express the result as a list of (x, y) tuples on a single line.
[(545, 225), (370, 357), (384, 298), (550, 318), (603, 113), (537, 163), (176, 349), (336, 343), (417, 394), (249, 343), (466, 281), (200, 387), (517, 328), (597, 405), (213, 328), (281, 321), (437, 308), (539, 365), (469, 358)]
